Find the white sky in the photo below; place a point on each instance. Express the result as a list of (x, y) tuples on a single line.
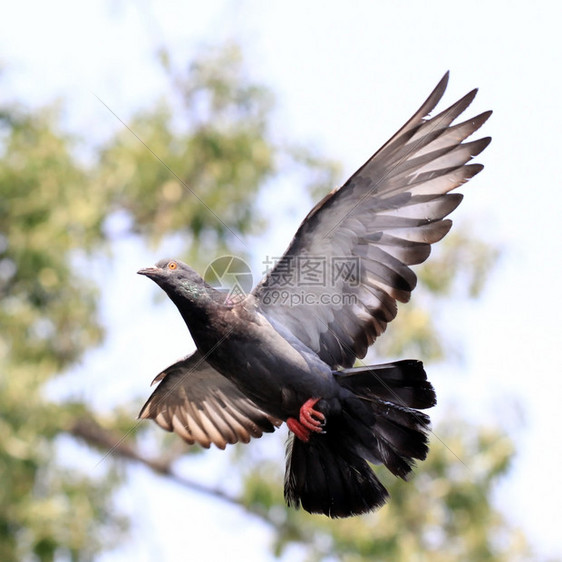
[(345, 79)]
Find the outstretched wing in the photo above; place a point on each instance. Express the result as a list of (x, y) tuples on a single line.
[(337, 285), (203, 407)]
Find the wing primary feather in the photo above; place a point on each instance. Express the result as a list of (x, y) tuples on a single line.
[(386, 215), (455, 134), (445, 181), (447, 116), (425, 109)]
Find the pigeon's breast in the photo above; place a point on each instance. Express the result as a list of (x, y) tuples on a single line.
[(277, 372)]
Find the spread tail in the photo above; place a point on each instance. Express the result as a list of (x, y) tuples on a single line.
[(376, 421)]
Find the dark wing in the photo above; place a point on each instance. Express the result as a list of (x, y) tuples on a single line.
[(204, 407), (337, 285)]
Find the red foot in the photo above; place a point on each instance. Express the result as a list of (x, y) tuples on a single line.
[(298, 429), (309, 420)]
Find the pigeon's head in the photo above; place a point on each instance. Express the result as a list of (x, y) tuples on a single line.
[(175, 277)]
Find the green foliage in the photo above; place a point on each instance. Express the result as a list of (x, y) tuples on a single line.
[(47, 311), (43, 221), (199, 163)]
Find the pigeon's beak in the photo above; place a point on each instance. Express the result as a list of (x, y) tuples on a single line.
[(151, 272)]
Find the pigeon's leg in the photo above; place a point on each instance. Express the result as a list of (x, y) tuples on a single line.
[(309, 420)]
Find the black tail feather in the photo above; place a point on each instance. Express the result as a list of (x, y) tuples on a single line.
[(374, 422), (325, 477), (402, 382)]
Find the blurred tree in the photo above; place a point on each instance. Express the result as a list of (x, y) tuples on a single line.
[(200, 161), (194, 166), (48, 319)]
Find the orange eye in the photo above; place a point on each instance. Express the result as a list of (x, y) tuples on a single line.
[(172, 265)]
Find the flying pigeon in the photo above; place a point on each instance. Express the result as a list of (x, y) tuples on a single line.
[(286, 351)]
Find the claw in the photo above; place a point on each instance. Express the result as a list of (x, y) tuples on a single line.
[(309, 420), (312, 419)]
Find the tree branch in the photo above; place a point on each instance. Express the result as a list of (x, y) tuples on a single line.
[(90, 431)]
